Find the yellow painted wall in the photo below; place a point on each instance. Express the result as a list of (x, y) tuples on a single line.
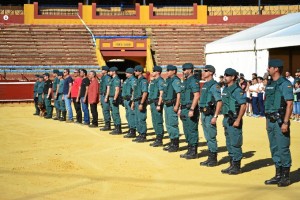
[(87, 17)]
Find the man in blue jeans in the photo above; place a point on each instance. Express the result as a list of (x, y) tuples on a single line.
[(83, 96), (68, 82)]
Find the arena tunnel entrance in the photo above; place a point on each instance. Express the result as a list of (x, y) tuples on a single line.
[(123, 63)]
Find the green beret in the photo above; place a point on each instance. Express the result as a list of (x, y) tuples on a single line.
[(46, 74), (157, 69), (60, 74), (276, 63), (230, 72), (139, 68), (113, 69), (187, 66), (129, 70), (171, 67), (210, 68), (105, 68)]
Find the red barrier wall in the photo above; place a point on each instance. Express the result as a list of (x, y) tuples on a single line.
[(16, 91), (256, 19), (12, 19)]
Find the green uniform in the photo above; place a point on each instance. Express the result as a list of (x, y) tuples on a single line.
[(233, 98), (104, 81), (40, 91), (49, 109), (126, 95), (139, 87), (156, 86), (172, 86), (190, 124), (61, 102), (277, 93), (35, 98), (114, 104), (210, 95), (55, 83)]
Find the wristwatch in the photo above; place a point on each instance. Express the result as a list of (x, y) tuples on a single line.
[(286, 123), (215, 116)]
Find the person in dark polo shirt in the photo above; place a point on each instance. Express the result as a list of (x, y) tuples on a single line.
[(83, 96), (48, 95), (68, 83)]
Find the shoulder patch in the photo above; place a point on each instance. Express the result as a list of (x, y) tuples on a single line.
[(289, 86), (217, 86)]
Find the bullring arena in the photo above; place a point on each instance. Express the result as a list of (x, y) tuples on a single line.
[(48, 159)]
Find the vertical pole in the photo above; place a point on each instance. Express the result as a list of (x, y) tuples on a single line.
[(259, 3), (201, 2), (144, 2)]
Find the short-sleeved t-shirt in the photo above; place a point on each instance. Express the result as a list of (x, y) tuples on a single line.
[(85, 82), (113, 84), (68, 80), (75, 87), (40, 89), (55, 83), (61, 86), (48, 84)]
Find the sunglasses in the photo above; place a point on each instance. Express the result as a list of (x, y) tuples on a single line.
[(206, 70), (227, 75)]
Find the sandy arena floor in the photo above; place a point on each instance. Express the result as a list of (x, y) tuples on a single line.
[(47, 159)]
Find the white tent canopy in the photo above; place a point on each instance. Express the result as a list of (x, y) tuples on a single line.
[(247, 51)]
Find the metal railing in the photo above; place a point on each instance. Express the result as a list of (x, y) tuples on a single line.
[(116, 11), (61, 10), (11, 10), (173, 11)]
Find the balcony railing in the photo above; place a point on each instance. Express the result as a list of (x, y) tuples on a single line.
[(115, 11), (173, 11), (61, 10), (11, 10)]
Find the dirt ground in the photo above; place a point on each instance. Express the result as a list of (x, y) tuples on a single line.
[(47, 159)]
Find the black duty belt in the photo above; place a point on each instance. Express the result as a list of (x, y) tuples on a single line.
[(127, 98), (152, 101), (137, 99), (169, 103), (187, 106)]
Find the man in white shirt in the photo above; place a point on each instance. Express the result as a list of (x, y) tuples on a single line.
[(254, 93), (289, 77)]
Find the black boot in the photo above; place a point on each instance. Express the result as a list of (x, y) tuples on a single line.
[(211, 160), (106, 127), (193, 152), (158, 141), (226, 171), (131, 133), (276, 178), (186, 153), (236, 168), (63, 117), (117, 130), (113, 130), (142, 138), (57, 114), (166, 148), (285, 177), (175, 146), (137, 138)]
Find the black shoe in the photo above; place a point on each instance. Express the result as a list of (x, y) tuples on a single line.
[(166, 148), (48, 117), (131, 133), (186, 153), (136, 139), (175, 146), (211, 160), (106, 127), (63, 117), (226, 171), (236, 168), (117, 131), (285, 177), (276, 178), (193, 153), (142, 138), (158, 141), (93, 126), (36, 113)]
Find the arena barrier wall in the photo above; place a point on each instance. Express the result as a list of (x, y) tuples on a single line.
[(16, 91)]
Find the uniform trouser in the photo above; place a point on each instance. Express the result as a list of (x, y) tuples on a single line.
[(171, 119), (61, 103), (48, 106), (85, 109), (130, 114), (68, 106), (40, 98), (140, 118), (36, 103), (157, 120), (261, 104), (234, 139), (210, 132), (105, 109), (115, 112), (279, 145), (255, 105), (190, 126), (78, 110), (94, 113), (56, 104)]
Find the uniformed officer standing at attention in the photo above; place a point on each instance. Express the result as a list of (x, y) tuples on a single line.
[(189, 111), (40, 90), (155, 101), (54, 88), (233, 109), (210, 106), (35, 95), (112, 95), (278, 108), (48, 96), (139, 104), (171, 99), (105, 79), (59, 96), (127, 90)]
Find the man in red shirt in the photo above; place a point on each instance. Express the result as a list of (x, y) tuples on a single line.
[(93, 98), (74, 95)]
